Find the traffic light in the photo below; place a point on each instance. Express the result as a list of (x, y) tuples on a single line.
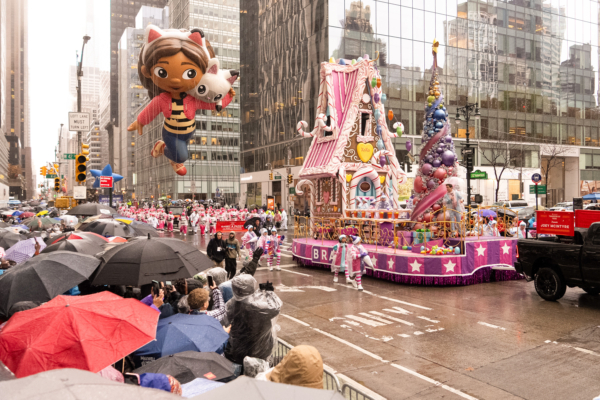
[(56, 168), (271, 176), (57, 185), (80, 164), (43, 171), (469, 162), (290, 179)]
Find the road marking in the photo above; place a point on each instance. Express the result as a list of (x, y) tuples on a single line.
[(398, 310), (376, 357), (417, 333), (351, 322), (388, 298), (376, 318), (392, 318), (587, 351), (294, 272), (430, 320), (365, 321), (491, 326), (433, 381), (283, 288), (403, 335), (281, 266)]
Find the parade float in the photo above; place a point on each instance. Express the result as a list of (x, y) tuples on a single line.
[(353, 177)]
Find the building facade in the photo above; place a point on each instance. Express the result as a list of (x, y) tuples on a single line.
[(213, 167), (4, 188), (22, 180), (531, 65)]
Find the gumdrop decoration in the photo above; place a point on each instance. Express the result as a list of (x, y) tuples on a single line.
[(383, 98), (332, 60), (342, 62), (373, 82), (390, 115)]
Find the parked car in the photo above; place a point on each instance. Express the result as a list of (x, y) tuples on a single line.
[(564, 206), (512, 204), (554, 263)]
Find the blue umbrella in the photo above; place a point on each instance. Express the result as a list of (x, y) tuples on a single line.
[(591, 196), (183, 332), (17, 213), (487, 213)]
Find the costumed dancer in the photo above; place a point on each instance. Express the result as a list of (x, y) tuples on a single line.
[(202, 223), (183, 226), (364, 261), (284, 218), (275, 243), (213, 224), (171, 63), (343, 255), (249, 242), (170, 219), (194, 217), (161, 221), (263, 243)]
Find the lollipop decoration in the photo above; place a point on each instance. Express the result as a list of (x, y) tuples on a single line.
[(437, 156)]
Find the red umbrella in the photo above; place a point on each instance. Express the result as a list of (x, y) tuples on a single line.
[(86, 332), (117, 239), (26, 215), (90, 236)]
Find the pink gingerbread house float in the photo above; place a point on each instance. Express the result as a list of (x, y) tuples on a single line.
[(351, 162)]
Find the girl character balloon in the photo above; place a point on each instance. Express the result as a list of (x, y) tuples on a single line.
[(172, 62)]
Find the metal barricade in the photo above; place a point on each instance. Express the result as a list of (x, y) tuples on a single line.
[(351, 393), (330, 381)]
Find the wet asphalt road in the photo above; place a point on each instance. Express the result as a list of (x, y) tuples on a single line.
[(489, 341)]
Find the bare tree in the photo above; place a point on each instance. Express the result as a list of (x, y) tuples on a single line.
[(553, 155), (497, 154)]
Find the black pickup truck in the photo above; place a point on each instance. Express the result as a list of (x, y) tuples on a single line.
[(557, 262)]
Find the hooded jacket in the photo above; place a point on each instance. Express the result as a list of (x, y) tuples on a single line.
[(302, 366), (250, 267), (233, 247), (212, 250)]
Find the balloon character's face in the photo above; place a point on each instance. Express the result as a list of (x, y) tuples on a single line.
[(174, 74)]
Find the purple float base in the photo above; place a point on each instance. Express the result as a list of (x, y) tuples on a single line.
[(482, 275)]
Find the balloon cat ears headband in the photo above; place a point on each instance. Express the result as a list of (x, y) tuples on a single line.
[(153, 32)]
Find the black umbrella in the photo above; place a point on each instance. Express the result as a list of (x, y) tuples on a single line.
[(252, 389), (4, 224), (89, 209), (34, 203), (141, 261), (57, 238), (5, 373), (109, 227), (44, 277), (82, 246), (143, 229), (252, 222), (189, 365), (8, 239), (75, 384), (36, 234)]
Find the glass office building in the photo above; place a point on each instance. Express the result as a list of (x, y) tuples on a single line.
[(531, 65)]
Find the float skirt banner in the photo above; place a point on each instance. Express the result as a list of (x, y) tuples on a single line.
[(555, 223), (231, 226), (584, 218)]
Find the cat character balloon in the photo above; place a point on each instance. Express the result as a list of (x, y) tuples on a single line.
[(216, 83), (172, 62)]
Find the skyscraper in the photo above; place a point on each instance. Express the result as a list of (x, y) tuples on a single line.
[(531, 65), (213, 164), (4, 189), (22, 181)]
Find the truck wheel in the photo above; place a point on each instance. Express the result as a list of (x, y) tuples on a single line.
[(592, 290), (549, 284)]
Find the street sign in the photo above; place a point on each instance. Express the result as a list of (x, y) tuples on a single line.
[(479, 175), (79, 121), (541, 189), (536, 178), (51, 176), (467, 150), (69, 156), (292, 190), (278, 177), (79, 192), (106, 181)]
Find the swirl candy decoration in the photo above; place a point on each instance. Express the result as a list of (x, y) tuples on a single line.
[(437, 157)]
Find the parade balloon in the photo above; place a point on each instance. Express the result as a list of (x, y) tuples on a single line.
[(448, 158), (418, 184), (439, 125), (408, 145), (429, 159), (436, 163), (430, 184), (390, 115), (440, 174), (440, 150), (426, 169), (439, 115), (448, 139)]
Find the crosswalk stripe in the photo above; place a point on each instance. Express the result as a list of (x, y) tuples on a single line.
[(397, 310), (392, 318), (365, 321), (364, 314), (430, 320)]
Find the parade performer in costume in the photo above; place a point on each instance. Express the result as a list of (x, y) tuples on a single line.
[(183, 226), (171, 63), (170, 219), (453, 202), (249, 242), (153, 221), (343, 255), (263, 242), (194, 217), (284, 218), (202, 223), (364, 261), (213, 224), (275, 243)]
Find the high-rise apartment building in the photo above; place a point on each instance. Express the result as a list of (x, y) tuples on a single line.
[(531, 65), (90, 90), (132, 94), (4, 188), (22, 181), (213, 164)]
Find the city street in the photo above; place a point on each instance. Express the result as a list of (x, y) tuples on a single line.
[(489, 341)]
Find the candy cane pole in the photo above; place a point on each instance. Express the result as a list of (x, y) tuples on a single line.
[(313, 195), (301, 126), (343, 192)]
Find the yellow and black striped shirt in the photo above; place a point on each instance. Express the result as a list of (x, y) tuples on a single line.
[(178, 123)]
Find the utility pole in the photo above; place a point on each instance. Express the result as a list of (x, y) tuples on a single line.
[(79, 76), (466, 111)]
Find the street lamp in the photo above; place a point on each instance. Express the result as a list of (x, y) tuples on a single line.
[(470, 110), (86, 38)]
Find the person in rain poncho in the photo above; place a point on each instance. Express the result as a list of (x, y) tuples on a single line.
[(263, 242), (302, 366), (194, 217), (249, 242)]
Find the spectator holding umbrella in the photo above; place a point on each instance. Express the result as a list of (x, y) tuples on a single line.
[(216, 250)]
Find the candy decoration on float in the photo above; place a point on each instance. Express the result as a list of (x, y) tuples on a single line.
[(437, 160)]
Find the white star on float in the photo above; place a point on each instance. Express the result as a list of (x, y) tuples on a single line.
[(505, 248), (480, 250), (374, 262), (450, 266), (391, 264), (416, 267)]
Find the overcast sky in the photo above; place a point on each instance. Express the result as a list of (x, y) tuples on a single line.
[(56, 30)]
